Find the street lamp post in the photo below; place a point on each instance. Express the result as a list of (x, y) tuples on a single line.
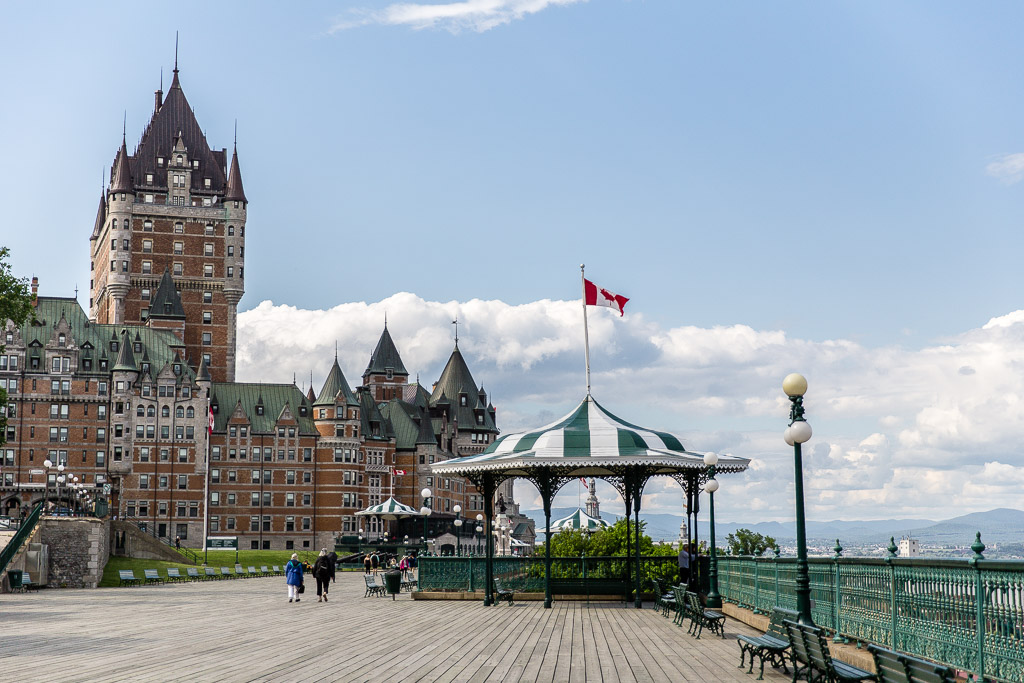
[(458, 530), (714, 600), (425, 511), (47, 464), (799, 432), (61, 478)]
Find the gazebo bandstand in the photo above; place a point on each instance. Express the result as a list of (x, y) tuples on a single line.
[(588, 442)]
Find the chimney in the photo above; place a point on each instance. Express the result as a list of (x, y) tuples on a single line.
[(35, 292), (159, 98)]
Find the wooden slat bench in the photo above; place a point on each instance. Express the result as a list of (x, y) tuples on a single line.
[(372, 587), (502, 593), (266, 572), (277, 570), (193, 573), (226, 573), (665, 601), (701, 617), (251, 572), (896, 667), (770, 647), (151, 576), (127, 577), (174, 575), (239, 571), (211, 573), (617, 587), (810, 649)]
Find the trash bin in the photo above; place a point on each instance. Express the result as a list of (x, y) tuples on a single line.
[(14, 578), (393, 582)]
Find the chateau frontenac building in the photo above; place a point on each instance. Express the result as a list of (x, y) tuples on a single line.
[(137, 398)]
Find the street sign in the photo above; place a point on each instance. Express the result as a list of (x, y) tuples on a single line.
[(36, 472), (221, 542)]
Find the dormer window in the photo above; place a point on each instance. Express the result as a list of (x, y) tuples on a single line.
[(149, 178), (145, 368), (259, 410), (206, 183), (177, 368), (137, 347), (195, 163), (181, 160), (215, 408), (61, 339), (160, 161), (114, 346), (390, 373), (462, 399)]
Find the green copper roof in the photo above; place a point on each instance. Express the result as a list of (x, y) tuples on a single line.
[(402, 417), (385, 357), (166, 303), (125, 357), (334, 383), (227, 396), (457, 382), (374, 424), (158, 347)]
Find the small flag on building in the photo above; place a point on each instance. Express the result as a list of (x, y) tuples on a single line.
[(210, 431), (399, 473)]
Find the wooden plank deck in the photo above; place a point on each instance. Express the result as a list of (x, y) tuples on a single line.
[(245, 630)]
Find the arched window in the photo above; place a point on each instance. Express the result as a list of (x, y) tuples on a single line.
[(151, 412), (165, 412), (179, 412), (180, 160), (113, 224), (141, 411), (190, 412)]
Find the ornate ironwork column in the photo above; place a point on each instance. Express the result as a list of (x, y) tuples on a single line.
[(797, 433), (488, 491), (638, 486)]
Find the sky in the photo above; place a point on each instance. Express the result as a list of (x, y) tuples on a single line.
[(830, 188)]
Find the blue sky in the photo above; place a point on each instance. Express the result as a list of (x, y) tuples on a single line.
[(777, 186)]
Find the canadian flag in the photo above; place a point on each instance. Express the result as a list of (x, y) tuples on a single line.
[(399, 473), (596, 296), (210, 426)]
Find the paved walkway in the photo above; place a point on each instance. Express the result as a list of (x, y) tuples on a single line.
[(245, 630)]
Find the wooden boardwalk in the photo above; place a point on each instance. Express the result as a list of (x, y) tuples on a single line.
[(245, 630)]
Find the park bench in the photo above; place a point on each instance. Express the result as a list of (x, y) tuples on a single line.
[(277, 570), (700, 617), (266, 572), (372, 587), (151, 576), (26, 583), (127, 577), (174, 575), (239, 571), (771, 646), (226, 573), (193, 573), (502, 593), (896, 667), (810, 650), (211, 573), (664, 601), (588, 587)]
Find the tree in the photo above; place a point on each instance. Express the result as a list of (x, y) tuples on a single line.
[(15, 305), (747, 542)]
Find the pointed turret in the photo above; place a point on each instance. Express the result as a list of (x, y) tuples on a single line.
[(101, 218), (166, 303), (334, 384), (311, 395), (385, 357), (122, 181), (203, 374), (125, 358), (426, 435), (234, 192)]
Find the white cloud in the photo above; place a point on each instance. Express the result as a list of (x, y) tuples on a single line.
[(1009, 168), (473, 15), (897, 431)]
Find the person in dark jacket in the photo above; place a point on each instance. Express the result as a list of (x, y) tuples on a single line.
[(322, 574), (333, 557), (293, 577)]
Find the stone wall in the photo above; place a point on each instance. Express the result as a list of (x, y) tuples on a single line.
[(127, 540), (78, 548)]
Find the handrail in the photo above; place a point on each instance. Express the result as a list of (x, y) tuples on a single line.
[(14, 545), (144, 526)]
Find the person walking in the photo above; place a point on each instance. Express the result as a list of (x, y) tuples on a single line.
[(375, 561), (177, 542), (366, 563), (333, 557), (293, 577), (322, 574)]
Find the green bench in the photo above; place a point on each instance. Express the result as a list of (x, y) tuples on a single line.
[(225, 573), (127, 577), (239, 571), (663, 600), (896, 667), (813, 661), (252, 572), (770, 647), (372, 587), (617, 587), (701, 618), (277, 570), (174, 575), (502, 593), (211, 573), (193, 574)]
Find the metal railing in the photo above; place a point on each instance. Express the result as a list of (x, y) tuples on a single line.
[(144, 527), (527, 573), (928, 608), (24, 531)]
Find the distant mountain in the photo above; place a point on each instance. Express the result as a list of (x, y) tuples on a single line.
[(1002, 525)]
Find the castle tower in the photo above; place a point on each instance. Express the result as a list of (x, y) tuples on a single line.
[(593, 507), (385, 376), (175, 205)]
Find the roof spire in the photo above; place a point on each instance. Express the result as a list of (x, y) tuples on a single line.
[(124, 127), (335, 350), (236, 133), (456, 323), (175, 53)]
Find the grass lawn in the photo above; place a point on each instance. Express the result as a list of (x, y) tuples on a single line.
[(215, 558)]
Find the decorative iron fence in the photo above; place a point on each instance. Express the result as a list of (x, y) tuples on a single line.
[(527, 573), (928, 608)]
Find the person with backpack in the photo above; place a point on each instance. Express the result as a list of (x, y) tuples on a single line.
[(293, 577), (322, 574)]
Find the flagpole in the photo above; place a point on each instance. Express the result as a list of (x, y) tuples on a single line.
[(206, 482), (586, 331)]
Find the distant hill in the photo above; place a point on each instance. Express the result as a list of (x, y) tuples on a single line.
[(1002, 525)]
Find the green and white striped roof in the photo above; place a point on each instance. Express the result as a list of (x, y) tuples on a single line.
[(587, 441), (578, 520), (389, 509)]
